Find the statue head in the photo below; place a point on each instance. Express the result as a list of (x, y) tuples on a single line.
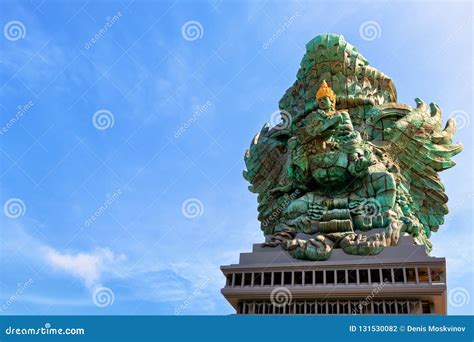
[(326, 98)]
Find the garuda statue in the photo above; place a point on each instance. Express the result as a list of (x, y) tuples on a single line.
[(348, 167)]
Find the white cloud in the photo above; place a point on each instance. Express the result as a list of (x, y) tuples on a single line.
[(89, 267)]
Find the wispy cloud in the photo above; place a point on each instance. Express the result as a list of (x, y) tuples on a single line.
[(88, 267), (154, 279)]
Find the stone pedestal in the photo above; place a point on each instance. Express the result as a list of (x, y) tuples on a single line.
[(400, 280)]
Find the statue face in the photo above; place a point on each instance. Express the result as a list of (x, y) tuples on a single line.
[(325, 103)]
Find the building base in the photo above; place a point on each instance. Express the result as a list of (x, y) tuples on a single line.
[(401, 280)]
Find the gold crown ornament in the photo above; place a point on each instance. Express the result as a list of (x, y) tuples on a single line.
[(325, 90)]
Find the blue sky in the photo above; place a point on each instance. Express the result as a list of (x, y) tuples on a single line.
[(182, 106)]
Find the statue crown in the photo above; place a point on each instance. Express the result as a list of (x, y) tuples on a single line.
[(325, 90)]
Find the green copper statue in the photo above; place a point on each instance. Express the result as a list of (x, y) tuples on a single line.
[(349, 167)]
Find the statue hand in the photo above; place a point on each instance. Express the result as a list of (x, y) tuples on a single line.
[(272, 243), (279, 239), (358, 244)]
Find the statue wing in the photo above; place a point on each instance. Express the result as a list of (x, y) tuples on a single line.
[(266, 161), (418, 148)]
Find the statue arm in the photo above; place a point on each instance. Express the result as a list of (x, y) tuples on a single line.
[(346, 122)]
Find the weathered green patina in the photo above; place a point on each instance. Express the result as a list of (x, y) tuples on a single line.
[(348, 166)]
